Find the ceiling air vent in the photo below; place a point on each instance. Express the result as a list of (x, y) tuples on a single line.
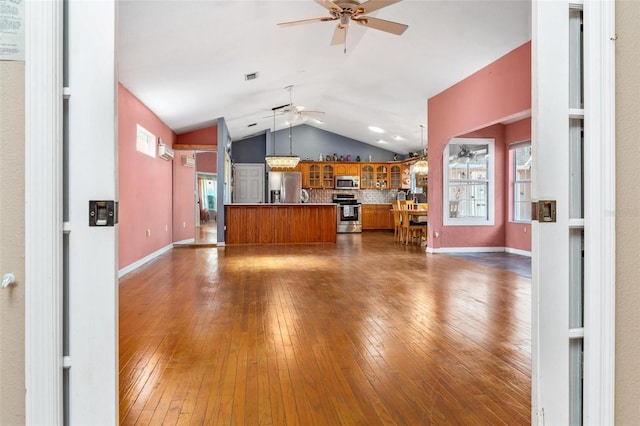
[(252, 124), (251, 76)]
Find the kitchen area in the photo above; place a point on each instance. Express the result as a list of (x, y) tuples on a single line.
[(317, 200)]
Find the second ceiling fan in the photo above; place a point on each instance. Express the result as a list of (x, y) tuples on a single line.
[(345, 11)]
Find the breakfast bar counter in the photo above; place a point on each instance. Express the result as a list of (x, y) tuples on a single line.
[(280, 223)]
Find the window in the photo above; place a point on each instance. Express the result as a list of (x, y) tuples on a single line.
[(145, 141), (468, 182), (521, 160)]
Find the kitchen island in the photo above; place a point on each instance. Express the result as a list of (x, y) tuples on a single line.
[(280, 223)]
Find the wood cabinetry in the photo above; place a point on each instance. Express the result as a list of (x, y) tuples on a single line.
[(320, 174), (376, 216), (280, 223), (367, 180), (347, 169), (327, 175), (382, 176)]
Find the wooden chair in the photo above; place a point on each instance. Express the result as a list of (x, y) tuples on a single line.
[(397, 222), (411, 230)]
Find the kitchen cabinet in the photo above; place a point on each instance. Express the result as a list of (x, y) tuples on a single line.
[(382, 176), (400, 176), (327, 175), (320, 174), (367, 180), (377, 216), (314, 177), (347, 169)]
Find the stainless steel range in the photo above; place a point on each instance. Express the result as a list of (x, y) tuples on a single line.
[(349, 213)]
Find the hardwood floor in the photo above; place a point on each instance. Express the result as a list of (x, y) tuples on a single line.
[(363, 332)]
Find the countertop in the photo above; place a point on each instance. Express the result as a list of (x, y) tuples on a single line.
[(281, 204)]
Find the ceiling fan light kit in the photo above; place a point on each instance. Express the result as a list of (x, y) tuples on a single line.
[(346, 11)]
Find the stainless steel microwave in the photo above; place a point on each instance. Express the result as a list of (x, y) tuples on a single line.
[(347, 182)]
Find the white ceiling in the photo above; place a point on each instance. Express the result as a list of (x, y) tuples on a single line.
[(186, 60)]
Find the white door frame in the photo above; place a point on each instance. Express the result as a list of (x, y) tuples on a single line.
[(43, 119), (91, 271), (550, 241)]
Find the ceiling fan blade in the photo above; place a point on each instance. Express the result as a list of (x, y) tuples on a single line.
[(310, 112), (328, 4), (306, 21), (372, 5), (382, 25), (339, 35)]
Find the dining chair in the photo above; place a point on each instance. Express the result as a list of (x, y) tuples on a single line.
[(410, 229), (397, 222)]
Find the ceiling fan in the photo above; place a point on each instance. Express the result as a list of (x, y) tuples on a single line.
[(345, 11), (296, 112)]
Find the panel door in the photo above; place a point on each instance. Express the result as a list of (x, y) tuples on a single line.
[(248, 183)]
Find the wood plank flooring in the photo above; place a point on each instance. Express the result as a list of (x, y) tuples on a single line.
[(363, 332)]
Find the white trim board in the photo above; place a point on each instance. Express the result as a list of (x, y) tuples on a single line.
[(148, 258), (466, 250), (479, 250)]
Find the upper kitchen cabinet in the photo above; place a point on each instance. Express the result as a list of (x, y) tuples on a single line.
[(347, 169), (328, 173), (382, 176), (400, 176), (367, 180), (311, 175)]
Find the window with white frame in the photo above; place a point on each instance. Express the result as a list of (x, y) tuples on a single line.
[(469, 189), (521, 161)]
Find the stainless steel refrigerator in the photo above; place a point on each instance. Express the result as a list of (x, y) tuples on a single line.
[(288, 183)]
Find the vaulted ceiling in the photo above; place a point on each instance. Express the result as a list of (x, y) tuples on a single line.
[(187, 61)]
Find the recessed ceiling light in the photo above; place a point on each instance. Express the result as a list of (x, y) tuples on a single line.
[(376, 129), (381, 141), (398, 138), (318, 121)]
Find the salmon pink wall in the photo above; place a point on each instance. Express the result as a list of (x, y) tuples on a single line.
[(206, 136), (494, 94), (517, 235), (145, 184), (207, 162)]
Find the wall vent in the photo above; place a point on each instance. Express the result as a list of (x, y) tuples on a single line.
[(165, 152), (188, 161)]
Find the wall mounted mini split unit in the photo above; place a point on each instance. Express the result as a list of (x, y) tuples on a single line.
[(165, 152), (188, 161)]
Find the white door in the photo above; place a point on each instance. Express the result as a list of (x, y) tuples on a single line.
[(573, 247), (71, 324), (248, 183)]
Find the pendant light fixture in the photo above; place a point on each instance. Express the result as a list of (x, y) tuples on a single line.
[(422, 166), (282, 161)]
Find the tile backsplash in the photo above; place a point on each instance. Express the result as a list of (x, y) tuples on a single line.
[(365, 196)]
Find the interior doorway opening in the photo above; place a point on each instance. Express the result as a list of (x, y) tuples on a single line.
[(206, 211)]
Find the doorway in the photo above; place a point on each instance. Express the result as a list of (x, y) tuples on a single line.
[(206, 231)]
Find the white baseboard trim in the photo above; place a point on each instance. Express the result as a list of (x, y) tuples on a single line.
[(467, 250), (187, 241), (517, 251), (140, 262)]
